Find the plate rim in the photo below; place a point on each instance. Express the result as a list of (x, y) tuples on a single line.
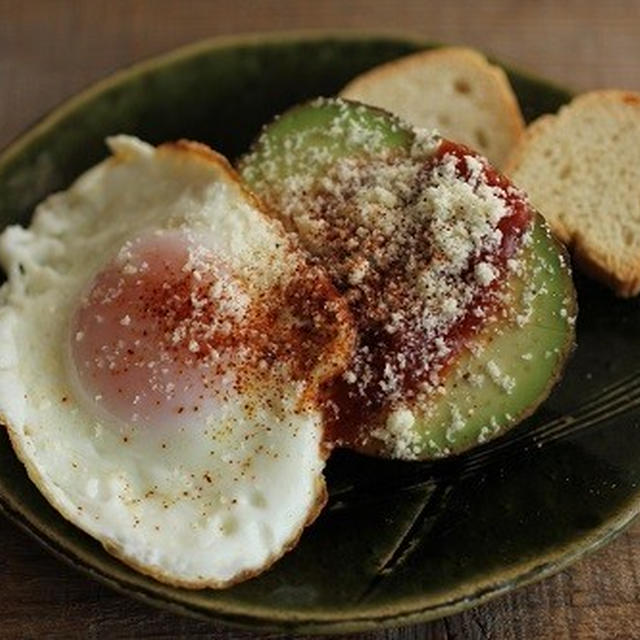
[(546, 566), (517, 575)]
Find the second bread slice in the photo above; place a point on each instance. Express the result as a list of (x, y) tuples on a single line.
[(454, 90), (581, 169)]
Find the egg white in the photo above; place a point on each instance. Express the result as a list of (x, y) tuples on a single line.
[(207, 504)]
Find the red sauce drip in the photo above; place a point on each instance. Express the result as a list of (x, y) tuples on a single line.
[(353, 409)]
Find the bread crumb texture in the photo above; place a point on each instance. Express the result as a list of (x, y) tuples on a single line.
[(581, 169)]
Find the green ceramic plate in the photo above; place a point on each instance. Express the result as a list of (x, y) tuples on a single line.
[(399, 542)]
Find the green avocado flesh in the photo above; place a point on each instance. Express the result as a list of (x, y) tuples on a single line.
[(505, 370), (303, 141), (510, 371)]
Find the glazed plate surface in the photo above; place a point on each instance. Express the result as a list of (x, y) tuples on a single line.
[(398, 542)]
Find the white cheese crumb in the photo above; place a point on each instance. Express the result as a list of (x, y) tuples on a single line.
[(400, 421), (504, 381), (399, 434), (456, 424), (485, 273), (129, 269), (358, 272), (350, 377), (194, 347), (476, 380)]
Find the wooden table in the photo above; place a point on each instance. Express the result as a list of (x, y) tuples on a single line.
[(49, 50)]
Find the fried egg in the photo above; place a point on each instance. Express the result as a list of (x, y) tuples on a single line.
[(163, 342)]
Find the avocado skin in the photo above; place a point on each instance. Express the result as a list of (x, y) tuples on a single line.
[(505, 371)]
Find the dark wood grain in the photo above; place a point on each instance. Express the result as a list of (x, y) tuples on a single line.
[(49, 50)]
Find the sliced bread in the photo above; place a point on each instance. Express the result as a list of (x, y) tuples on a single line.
[(452, 89), (581, 169)]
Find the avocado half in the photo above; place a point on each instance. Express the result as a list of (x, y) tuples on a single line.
[(508, 367)]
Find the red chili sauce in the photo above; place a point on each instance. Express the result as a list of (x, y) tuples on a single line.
[(354, 408)]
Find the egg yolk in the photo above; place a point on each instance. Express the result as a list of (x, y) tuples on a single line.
[(148, 339)]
